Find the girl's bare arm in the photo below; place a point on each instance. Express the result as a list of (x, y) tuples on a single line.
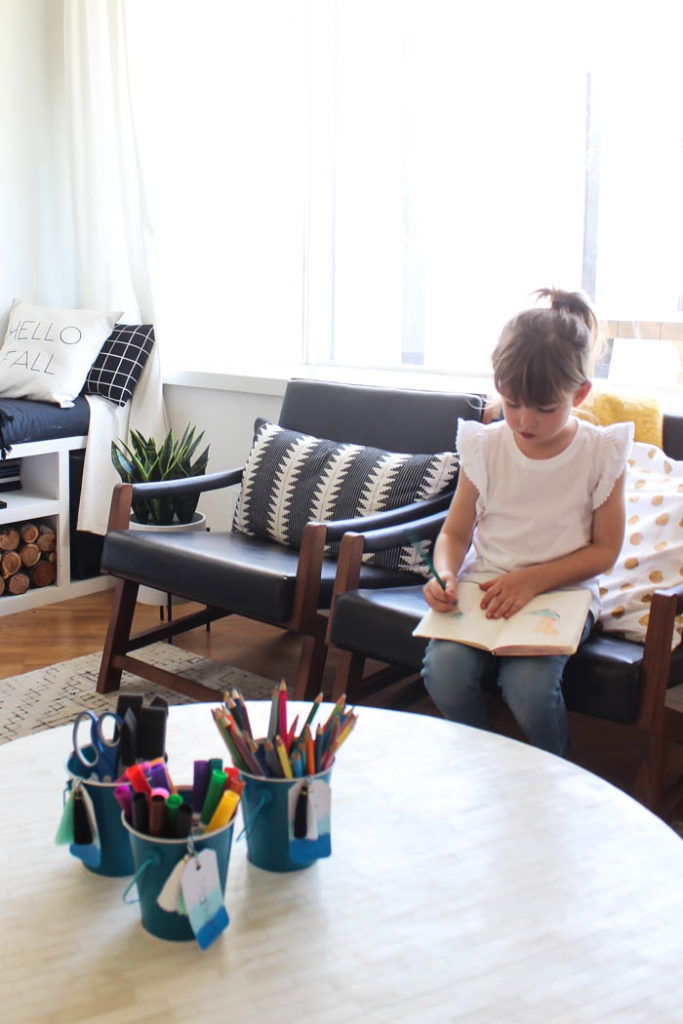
[(452, 544)]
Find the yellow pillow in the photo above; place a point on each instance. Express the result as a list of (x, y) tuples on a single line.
[(604, 408)]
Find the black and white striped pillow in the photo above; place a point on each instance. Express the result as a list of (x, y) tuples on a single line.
[(292, 478), (119, 365)]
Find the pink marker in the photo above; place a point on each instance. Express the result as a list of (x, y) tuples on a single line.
[(123, 794)]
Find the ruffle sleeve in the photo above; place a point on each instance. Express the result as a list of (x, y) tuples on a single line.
[(469, 443), (615, 443)]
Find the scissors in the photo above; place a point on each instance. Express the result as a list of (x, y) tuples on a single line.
[(103, 750)]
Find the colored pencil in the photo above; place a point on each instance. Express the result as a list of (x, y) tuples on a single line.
[(425, 557), (282, 711), (283, 758)]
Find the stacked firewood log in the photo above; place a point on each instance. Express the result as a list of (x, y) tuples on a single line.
[(28, 557)]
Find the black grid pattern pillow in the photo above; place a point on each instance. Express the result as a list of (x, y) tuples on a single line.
[(292, 478), (121, 360)]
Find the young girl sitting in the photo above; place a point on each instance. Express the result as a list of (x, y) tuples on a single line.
[(539, 506)]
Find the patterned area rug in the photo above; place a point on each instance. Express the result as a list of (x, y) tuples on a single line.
[(52, 696)]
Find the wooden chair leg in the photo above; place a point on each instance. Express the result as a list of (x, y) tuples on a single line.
[(118, 632), (647, 787), (309, 672), (349, 675)]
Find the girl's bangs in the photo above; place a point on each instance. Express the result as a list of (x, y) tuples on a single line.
[(532, 385)]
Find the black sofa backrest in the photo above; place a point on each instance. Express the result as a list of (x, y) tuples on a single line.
[(673, 435), (400, 420), (394, 419)]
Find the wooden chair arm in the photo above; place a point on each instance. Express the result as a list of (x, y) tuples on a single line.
[(308, 574), (665, 605), (416, 511), (348, 570), (123, 494), (119, 509), (354, 544), (676, 592), (187, 485), (403, 533)]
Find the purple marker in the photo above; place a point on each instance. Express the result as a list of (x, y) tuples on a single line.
[(200, 784), (158, 776)]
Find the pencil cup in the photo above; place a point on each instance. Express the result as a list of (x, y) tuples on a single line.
[(267, 813), (116, 857), (154, 860)]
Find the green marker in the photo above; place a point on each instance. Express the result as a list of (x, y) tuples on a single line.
[(173, 802), (213, 795)]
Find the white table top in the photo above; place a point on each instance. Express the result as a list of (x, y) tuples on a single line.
[(472, 878)]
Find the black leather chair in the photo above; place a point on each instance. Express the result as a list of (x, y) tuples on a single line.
[(608, 678), (231, 573)]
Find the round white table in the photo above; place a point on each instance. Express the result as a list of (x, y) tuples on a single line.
[(472, 878)]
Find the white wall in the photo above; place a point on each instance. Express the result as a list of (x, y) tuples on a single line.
[(227, 417), (36, 235)]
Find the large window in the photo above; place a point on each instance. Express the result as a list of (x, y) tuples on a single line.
[(379, 183)]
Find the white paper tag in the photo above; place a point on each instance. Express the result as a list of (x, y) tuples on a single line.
[(203, 897), (312, 817), (170, 898)]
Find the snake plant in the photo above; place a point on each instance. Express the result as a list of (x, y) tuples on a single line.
[(142, 461)]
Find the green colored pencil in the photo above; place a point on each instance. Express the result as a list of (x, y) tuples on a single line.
[(424, 555)]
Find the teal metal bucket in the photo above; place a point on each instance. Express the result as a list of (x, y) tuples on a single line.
[(154, 860), (265, 813), (116, 859)]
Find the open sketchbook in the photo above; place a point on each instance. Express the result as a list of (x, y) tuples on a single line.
[(551, 623)]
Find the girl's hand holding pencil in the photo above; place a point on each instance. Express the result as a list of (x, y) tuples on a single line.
[(283, 753), (441, 595)]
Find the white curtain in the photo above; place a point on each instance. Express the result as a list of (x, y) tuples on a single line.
[(384, 182), (110, 223), (110, 215)]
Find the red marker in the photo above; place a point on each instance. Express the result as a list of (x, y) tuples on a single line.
[(138, 779)]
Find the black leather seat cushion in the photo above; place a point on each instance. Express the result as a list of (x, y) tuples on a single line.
[(226, 570), (379, 624), (601, 679)]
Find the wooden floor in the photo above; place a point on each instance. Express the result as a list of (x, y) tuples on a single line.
[(69, 629), (58, 632)]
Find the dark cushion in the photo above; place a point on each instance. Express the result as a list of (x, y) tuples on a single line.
[(26, 420), (119, 365), (602, 679), (672, 435), (226, 570), (379, 624), (291, 478)]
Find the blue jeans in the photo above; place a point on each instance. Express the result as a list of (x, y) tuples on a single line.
[(453, 674)]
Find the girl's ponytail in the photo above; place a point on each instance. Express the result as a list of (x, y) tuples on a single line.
[(574, 304)]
